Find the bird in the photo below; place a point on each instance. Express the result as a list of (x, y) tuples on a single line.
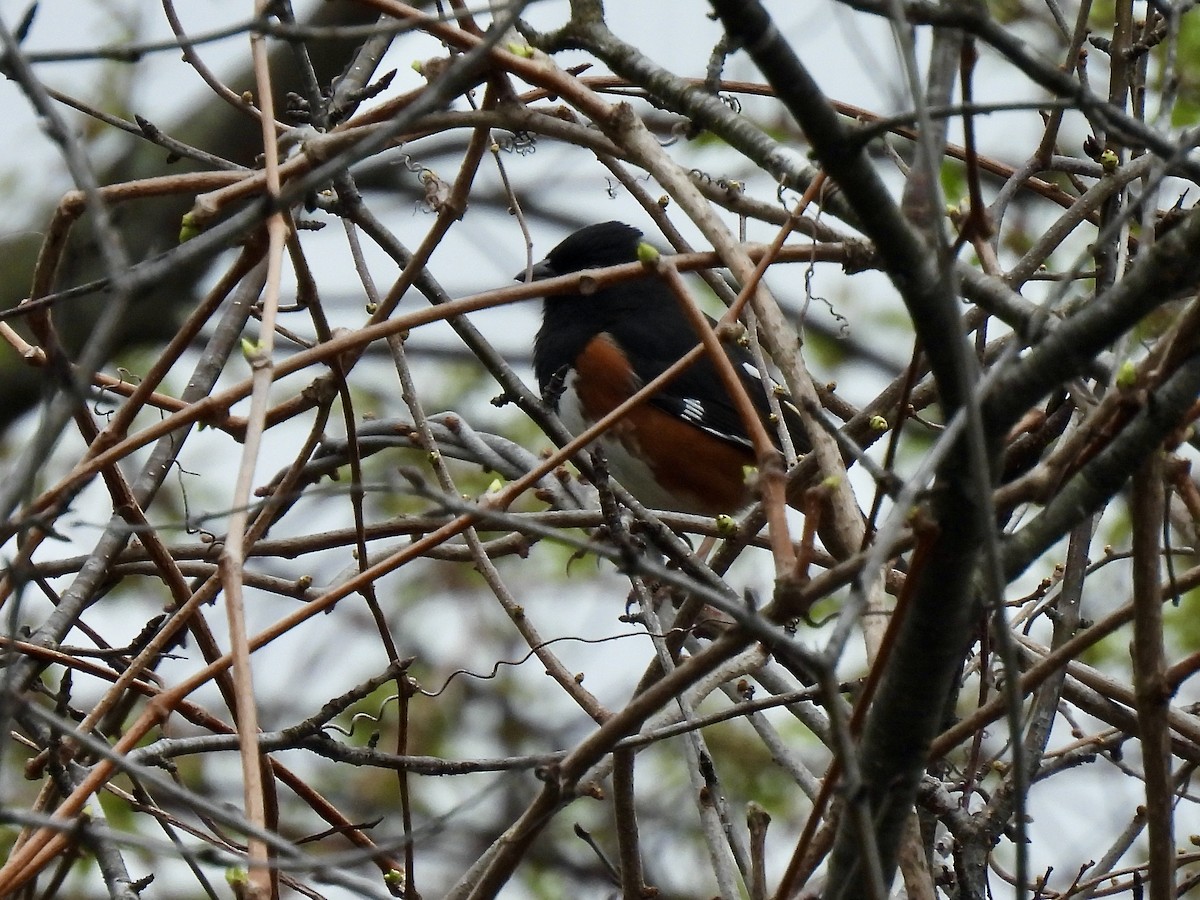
[(686, 448)]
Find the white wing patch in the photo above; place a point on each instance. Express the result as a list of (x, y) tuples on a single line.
[(693, 411)]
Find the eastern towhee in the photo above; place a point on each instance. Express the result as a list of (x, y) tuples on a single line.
[(685, 448)]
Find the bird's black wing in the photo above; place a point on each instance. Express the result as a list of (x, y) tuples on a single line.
[(698, 395)]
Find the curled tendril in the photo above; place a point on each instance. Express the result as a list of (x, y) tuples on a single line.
[(521, 143), (412, 165), (376, 719), (613, 187), (843, 324), (513, 663), (127, 377), (725, 184)]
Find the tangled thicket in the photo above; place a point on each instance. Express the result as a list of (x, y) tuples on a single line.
[(271, 562)]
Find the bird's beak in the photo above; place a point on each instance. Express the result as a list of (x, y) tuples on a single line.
[(540, 270)]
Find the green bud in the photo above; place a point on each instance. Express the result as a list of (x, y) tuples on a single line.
[(188, 228), (1127, 375)]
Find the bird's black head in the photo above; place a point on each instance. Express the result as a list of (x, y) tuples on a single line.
[(592, 247), (570, 321)]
